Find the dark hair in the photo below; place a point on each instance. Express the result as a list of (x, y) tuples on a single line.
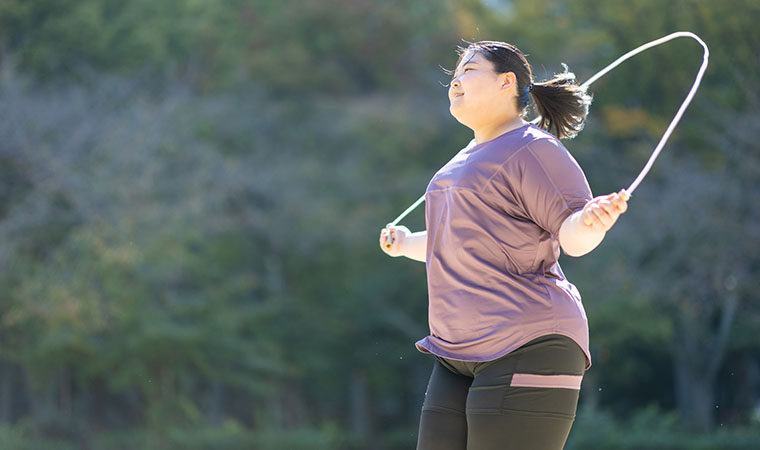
[(561, 102)]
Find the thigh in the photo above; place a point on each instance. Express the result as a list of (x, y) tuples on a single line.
[(526, 400), (443, 422), (518, 430)]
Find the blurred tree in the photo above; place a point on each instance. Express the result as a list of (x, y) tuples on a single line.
[(118, 287), (335, 46), (193, 244)]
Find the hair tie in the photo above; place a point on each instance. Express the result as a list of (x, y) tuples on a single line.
[(530, 88)]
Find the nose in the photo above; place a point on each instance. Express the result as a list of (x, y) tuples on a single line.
[(455, 83)]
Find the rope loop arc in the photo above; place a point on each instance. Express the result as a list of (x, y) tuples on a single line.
[(666, 135)]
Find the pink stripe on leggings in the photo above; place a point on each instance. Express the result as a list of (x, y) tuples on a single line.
[(547, 381)]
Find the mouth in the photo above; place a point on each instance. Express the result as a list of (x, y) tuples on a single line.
[(457, 95)]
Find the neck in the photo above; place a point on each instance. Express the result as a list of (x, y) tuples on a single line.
[(490, 132)]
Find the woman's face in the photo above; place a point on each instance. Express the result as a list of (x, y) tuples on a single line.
[(477, 93)]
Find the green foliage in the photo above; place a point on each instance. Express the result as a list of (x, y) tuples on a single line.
[(193, 192), (317, 46), (651, 429), (53, 38)]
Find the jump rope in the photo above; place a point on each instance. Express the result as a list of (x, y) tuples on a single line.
[(656, 152)]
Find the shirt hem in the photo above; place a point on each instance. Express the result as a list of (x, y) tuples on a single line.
[(424, 346)]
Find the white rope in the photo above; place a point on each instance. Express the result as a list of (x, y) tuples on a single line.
[(681, 110), (601, 73)]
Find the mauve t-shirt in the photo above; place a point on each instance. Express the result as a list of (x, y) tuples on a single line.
[(493, 214)]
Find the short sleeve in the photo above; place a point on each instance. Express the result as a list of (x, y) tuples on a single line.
[(548, 183)]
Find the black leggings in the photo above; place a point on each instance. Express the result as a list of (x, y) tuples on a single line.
[(525, 400)]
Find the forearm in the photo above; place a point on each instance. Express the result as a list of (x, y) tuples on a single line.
[(576, 238), (415, 246)]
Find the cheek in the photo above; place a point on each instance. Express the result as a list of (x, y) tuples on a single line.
[(476, 86)]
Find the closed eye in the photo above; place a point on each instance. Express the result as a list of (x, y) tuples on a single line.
[(464, 71)]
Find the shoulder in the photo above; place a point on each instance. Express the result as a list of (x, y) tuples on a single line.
[(548, 151), (528, 140), (543, 163), (510, 144), (544, 144)]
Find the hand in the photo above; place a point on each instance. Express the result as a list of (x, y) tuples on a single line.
[(392, 239), (602, 212)]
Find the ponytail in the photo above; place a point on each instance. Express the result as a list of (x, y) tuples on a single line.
[(562, 104)]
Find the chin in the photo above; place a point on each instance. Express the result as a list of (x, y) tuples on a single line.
[(458, 114), (455, 110)]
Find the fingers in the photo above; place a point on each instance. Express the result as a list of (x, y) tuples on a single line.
[(384, 239), (596, 215), (620, 200), (602, 212), (391, 238)]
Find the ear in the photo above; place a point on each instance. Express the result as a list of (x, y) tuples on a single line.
[(508, 80)]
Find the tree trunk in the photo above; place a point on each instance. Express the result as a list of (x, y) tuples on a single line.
[(6, 393), (695, 370), (361, 416), (695, 395), (698, 353), (65, 392), (216, 404)]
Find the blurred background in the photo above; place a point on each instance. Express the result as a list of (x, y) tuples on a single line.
[(192, 193)]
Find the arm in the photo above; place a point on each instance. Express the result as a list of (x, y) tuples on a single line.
[(399, 241), (584, 230)]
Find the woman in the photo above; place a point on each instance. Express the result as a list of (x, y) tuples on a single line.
[(507, 329)]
